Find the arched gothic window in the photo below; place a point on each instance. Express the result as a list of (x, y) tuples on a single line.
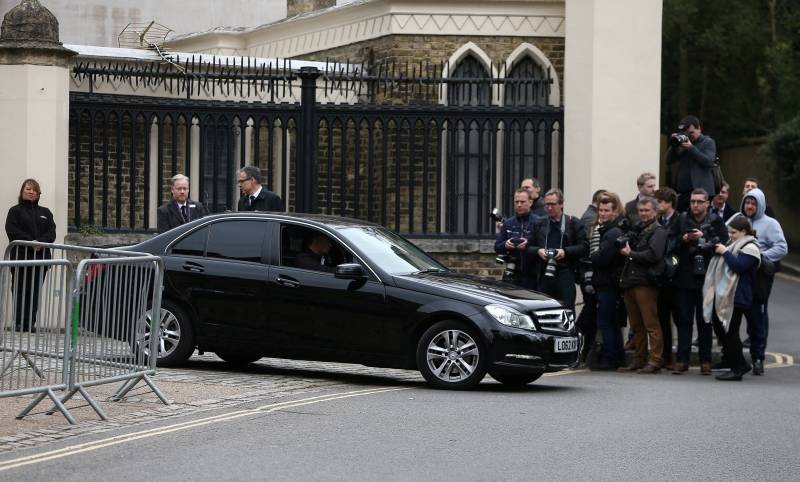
[(469, 149), (529, 84)]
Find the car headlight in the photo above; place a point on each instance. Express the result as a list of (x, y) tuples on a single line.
[(510, 317)]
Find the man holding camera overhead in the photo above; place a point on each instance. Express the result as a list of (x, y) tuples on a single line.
[(695, 154), (700, 230), (513, 239), (559, 241)]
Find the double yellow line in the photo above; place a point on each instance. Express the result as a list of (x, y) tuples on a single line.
[(129, 437)]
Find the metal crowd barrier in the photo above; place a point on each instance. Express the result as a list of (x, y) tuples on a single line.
[(81, 317)]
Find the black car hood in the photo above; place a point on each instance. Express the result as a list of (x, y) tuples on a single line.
[(472, 289)]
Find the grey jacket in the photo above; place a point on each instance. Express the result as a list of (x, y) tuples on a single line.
[(698, 160), (769, 233)]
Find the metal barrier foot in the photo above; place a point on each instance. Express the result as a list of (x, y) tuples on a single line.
[(99, 411), (60, 406), (128, 386)]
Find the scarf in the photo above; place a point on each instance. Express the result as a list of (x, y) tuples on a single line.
[(719, 287), (594, 240)]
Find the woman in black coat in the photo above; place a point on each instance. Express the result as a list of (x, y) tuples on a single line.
[(28, 221), (607, 264)]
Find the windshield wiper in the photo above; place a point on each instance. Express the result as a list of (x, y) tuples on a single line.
[(431, 270)]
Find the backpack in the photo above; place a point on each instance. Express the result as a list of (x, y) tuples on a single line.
[(663, 272), (765, 275)]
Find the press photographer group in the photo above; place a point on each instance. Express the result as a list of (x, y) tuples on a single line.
[(677, 255)]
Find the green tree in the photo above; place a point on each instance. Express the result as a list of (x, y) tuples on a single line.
[(733, 63)]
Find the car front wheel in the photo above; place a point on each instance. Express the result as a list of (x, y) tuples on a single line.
[(451, 355), (176, 338)]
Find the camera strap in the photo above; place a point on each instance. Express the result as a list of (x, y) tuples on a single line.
[(563, 229)]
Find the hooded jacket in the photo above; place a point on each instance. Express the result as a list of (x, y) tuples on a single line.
[(771, 240)]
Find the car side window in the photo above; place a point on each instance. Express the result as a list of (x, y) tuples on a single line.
[(240, 240), (307, 248), (192, 245)]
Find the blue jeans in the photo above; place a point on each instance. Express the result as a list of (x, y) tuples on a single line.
[(612, 352), (757, 330)]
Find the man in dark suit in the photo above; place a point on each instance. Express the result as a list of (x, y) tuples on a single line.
[(180, 209), (256, 197), (720, 206)]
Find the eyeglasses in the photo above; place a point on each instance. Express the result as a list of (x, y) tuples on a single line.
[(551, 204), (697, 201), (243, 180)]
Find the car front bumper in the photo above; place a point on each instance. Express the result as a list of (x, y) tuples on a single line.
[(520, 351)]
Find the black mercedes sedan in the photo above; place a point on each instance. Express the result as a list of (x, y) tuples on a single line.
[(312, 287)]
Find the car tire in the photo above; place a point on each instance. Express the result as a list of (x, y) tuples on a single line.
[(515, 380), (176, 344), (451, 355), (238, 359)]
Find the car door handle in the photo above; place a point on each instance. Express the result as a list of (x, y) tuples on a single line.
[(194, 267), (288, 282)]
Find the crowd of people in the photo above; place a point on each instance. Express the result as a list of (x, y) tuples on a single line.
[(677, 256)]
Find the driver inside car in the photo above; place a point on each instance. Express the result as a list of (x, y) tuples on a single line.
[(316, 254)]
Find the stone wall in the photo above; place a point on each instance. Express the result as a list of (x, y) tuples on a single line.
[(438, 49)]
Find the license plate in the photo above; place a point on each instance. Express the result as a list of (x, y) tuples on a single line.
[(566, 345)]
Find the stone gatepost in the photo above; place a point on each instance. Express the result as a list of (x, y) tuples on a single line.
[(612, 97), (34, 110)]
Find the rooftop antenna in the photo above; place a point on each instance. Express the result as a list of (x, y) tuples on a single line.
[(148, 36)]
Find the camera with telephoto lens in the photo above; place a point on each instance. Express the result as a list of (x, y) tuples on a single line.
[(678, 138), (704, 248), (510, 260), (550, 268), (630, 234)]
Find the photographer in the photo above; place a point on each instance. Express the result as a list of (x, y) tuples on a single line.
[(695, 155), (587, 320), (699, 231), (644, 248), (559, 241), (607, 266), (513, 239)]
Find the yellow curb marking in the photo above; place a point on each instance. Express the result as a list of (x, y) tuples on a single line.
[(782, 360), (119, 439)]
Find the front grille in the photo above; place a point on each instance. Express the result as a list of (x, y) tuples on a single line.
[(555, 320)]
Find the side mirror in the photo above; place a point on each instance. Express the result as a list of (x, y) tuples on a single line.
[(349, 271)]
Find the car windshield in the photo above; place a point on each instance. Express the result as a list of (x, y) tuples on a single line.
[(391, 252)]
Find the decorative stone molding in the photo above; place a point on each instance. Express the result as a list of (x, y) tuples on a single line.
[(361, 21)]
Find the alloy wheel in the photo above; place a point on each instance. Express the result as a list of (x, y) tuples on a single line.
[(452, 356), (169, 334)]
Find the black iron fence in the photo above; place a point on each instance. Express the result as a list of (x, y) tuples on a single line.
[(410, 149)]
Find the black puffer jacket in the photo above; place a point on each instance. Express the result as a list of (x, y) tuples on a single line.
[(648, 251), (28, 221), (607, 261)]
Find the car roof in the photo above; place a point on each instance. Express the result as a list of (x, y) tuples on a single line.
[(319, 219)]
